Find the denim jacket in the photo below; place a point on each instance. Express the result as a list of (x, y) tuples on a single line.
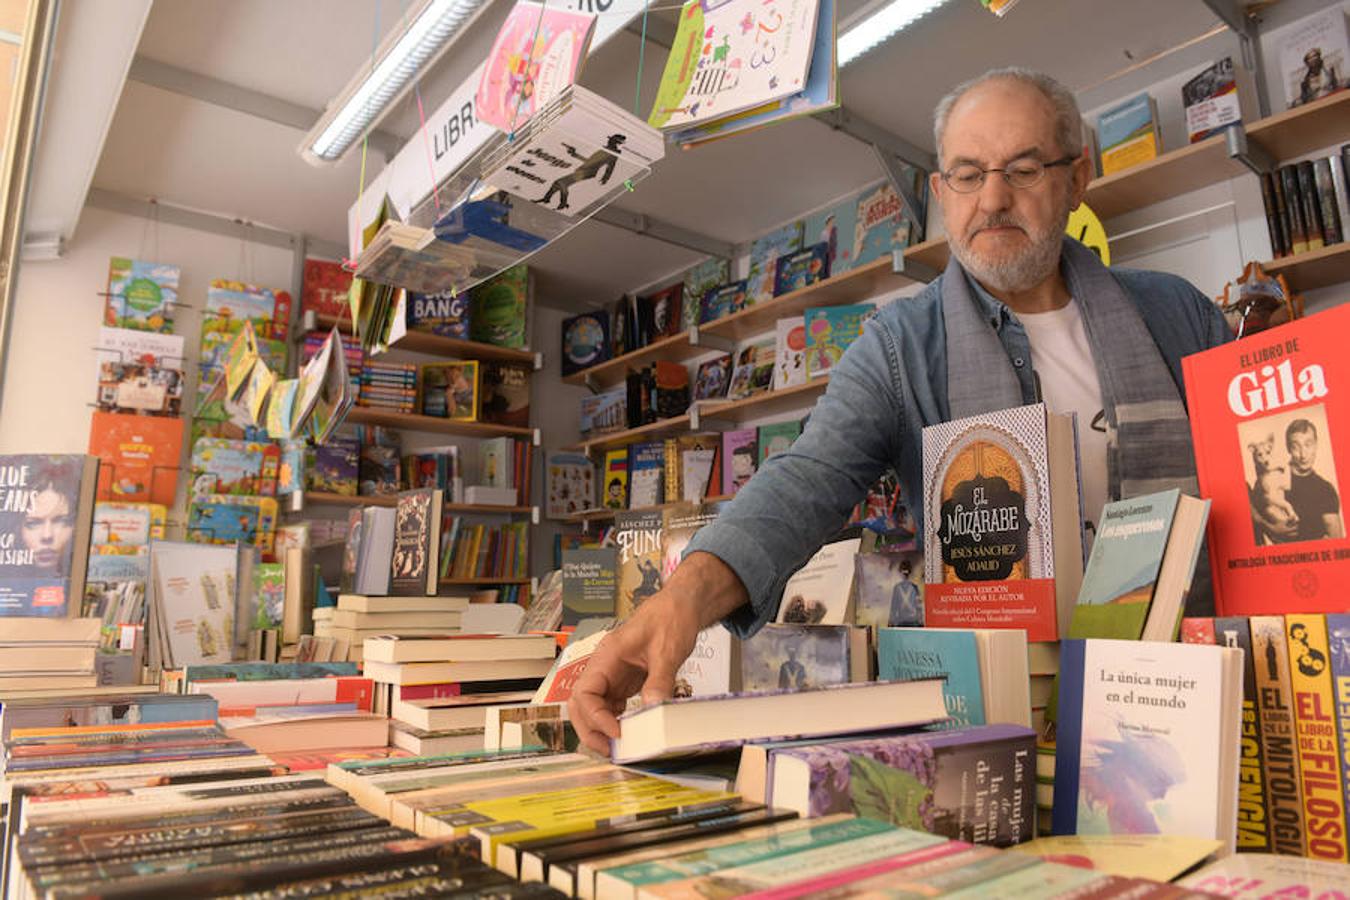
[(887, 386)]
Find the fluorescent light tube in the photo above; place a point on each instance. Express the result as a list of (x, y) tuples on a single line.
[(880, 25), (420, 37)]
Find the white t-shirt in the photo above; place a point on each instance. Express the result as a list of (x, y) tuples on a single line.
[(1062, 358)]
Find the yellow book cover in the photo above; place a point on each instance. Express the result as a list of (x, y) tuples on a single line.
[(1131, 153), (1152, 856), (1279, 741), (409, 808), (1315, 724)]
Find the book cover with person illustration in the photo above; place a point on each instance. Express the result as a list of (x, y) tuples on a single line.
[(46, 513)]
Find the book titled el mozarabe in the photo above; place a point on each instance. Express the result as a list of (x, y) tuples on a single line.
[(1269, 420)]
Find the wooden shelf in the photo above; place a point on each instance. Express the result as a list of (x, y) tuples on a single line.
[(468, 581), (676, 348), (437, 345), (659, 428), (765, 404), (1169, 174), (323, 498), (1304, 128), (931, 253), (365, 415), (1314, 269), (604, 514)]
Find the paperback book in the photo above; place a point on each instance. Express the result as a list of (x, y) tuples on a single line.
[(801, 269), (139, 456), (830, 330), (868, 226), (764, 255), (48, 506), (141, 295), (797, 657)]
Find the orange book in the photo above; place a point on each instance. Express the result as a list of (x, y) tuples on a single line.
[(139, 456), (1315, 724)]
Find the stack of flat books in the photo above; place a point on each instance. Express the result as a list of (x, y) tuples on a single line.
[(391, 386), (410, 257), (40, 652), (359, 617)]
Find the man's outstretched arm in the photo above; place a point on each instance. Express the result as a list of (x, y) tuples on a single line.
[(644, 653)]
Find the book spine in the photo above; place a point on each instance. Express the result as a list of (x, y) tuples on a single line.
[(1282, 213), (1336, 165), (1253, 833), (1312, 213), (1319, 754), (1338, 633), (1068, 736), (1284, 795), (1298, 225), (1332, 232), (1274, 227)]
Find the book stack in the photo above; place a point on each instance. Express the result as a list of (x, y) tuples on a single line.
[(48, 653), (436, 726), (412, 258), (431, 668), (391, 386), (359, 617)]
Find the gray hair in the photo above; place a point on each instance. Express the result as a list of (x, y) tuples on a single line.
[(1068, 121)]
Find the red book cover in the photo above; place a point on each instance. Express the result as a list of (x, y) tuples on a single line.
[(325, 289), (139, 456), (1198, 631), (1270, 418)]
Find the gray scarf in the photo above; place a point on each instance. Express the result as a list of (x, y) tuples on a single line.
[(1147, 431)]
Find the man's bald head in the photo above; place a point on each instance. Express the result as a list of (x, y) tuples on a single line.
[(1060, 105)]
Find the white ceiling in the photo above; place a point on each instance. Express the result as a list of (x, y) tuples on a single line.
[(189, 152)]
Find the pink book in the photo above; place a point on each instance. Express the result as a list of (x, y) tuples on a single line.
[(537, 54), (738, 454), (843, 877)]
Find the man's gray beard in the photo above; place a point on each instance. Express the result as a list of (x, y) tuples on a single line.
[(1021, 273)]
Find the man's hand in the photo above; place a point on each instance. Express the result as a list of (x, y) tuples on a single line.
[(644, 653)]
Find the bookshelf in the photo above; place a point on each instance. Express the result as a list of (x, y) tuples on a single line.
[(1304, 128), (765, 404), (659, 428), (604, 513), (323, 498), (487, 582), (676, 348), (365, 415), (1314, 269), (438, 345)]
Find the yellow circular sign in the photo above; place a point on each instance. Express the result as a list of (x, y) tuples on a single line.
[(1086, 228)]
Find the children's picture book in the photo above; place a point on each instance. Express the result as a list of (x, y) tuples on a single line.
[(830, 330), (445, 313), (139, 456), (905, 653), (1269, 430), (590, 579), (127, 527), (604, 412), (638, 537), (890, 589), (790, 353), (538, 52), (379, 464), (764, 255), (585, 341), (499, 308), (1147, 739), (1004, 547), (866, 227), (614, 483), (1128, 133), (222, 466), (646, 466), (334, 467), (887, 513), (702, 278), (740, 459), (821, 592), (723, 300), (1211, 100), (193, 591), (801, 269), (46, 512), (770, 440), (797, 657), (141, 295), (1314, 57), (417, 531), (325, 289), (450, 390), (753, 373), (713, 378), (734, 57), (228, 519), (504, 398), (494, 468), (570, 484), (237, 302)]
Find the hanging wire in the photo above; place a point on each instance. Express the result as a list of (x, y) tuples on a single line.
[(426, 139), (529, 62), (149, 247), (642, 52), (365, 139)]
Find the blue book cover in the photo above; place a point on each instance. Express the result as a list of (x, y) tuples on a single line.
[(445, 313), (801, 269), (1338, 636), (585, 341), (722, 301), (904, 653), (646, 464), (698, 281), (1122, 571), (46, 507), (1130, 119), (764, 255), (864, 227), (830, 330)]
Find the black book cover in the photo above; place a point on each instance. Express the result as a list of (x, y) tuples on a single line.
[(1332, 227), (585, 341), (505, 397), (1282, 213), (1312, 213), (415, 880), (1298, 226), (1278, 247), (412, 565), (1253, 820)]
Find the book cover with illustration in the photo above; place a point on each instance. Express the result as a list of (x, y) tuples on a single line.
[(46, 516), (731, 57), (141, 295), (1211, 100), (269, 595), (829, 332), (646, 466), (237, 302), (764, 255), (865, 227), (890, 589), (193, 594), (590, 583), (504, 398), (1279, 738), (821, 591), (325, 289), (417, 527), (770, 440), (739, 459), (1338, 639), (139, 456), (229, 519), (713, 668), (638, 537), (445, 313), (604, 412), (1314, 57), (679, 524), (713, 378), (450, 390), (123, 528), (499, 308), (975, 784), (223, 466), (790, 367), (995, 541), (1135, 743), (614, 482), (904, 653), (888, 513), (1270, 432), (334, 467), (1128, 133), (721, 301), (570, 484), (1316, 709), (797, 657), (801, 269), (698, 281), (585, 341), (753, 372), (661, 314), (538, 52), (1122, 571)]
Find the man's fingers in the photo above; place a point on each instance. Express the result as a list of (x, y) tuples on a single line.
[(589, 706), (660, 683)]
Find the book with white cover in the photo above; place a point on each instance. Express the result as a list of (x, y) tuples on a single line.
[(194, 600), (821, 592)]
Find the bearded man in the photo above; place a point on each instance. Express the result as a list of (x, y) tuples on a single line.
[(1022, 314)]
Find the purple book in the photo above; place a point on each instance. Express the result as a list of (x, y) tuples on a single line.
[(975, 784), (738, 453)]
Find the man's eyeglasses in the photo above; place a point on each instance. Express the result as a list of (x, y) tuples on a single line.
[(1020, 173)]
